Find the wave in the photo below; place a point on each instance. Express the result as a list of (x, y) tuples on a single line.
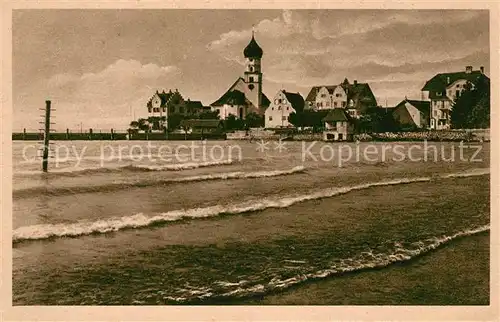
[(468, 173), (366, 260), (29, 192), (78, 171), (140, 220)]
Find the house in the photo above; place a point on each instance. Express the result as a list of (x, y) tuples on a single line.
[(355, 98), (412, 114), (283, 104), (163, 104), (443, 89), (339, 126), (245, 96)]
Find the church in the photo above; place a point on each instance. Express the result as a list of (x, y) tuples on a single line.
[(245, 96)]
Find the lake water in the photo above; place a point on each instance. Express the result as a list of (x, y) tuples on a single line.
[(213, 222)]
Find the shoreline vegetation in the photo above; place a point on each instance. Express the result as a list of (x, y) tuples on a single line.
[(467, 135)]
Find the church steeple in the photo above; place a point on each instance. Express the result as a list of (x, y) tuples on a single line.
[(253, 73)]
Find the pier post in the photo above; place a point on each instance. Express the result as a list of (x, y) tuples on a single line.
[(46, 135), (90, 134), (67, 134), (24, 134), (112, 135)]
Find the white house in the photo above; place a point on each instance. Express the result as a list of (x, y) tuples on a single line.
[(283, 104)]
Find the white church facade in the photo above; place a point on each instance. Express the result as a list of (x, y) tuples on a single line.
[(245, 96)]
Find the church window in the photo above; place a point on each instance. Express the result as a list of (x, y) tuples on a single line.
[(251, 68), (270, 118), (251, 87), (251, 79)]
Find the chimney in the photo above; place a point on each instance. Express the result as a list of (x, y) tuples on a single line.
[(355, 82), (468, 69), (481, 69)]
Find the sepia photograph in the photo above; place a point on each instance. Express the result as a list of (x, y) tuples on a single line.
[(250, 157)]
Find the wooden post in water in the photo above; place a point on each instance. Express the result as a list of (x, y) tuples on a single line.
[(24, 134), (67, 134), (46, 135), (112, 135)]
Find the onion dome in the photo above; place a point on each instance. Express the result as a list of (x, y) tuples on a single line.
[(253, 50)]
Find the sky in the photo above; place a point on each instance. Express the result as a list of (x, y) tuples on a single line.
[(100, 67)]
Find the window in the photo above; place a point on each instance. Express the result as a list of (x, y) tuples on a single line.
[(327, 104), (343, 104), (250, 79), (323, 95), (457, 93), (156, 110), (149, 109), (164, 109), (287, 108), (279, 108), (251, 68), (272, 108), (458, 85), (270, 118), (317, 104), (338, 95), (279, 101), (283, 118), (439, 93), (334, 104)]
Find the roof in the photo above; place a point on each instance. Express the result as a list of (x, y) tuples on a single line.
[(296, 100), (335, 115), (253, 50), (265, 102), (201, 123), (441, 81), (164, 97), (194, 104), (423, 106), (358, 91), (314, 91), (234, 97), (238, 98)]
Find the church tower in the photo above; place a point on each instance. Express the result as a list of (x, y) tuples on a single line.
[(253, 72)]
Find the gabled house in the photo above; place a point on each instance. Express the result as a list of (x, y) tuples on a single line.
[(284, 103), (339, 126), (412, 114), (162, 104), (355, 97), (245, 96), (444, 88)]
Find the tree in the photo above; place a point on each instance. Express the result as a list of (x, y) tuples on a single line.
[(209, 115), (472, 108), (254, 120), (174, 121), (308, 118), (233, 123)]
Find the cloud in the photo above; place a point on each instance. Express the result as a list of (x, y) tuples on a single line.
[(310, 47), (102, 99)]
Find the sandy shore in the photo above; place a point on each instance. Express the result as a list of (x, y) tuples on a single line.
[(456, 274)]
